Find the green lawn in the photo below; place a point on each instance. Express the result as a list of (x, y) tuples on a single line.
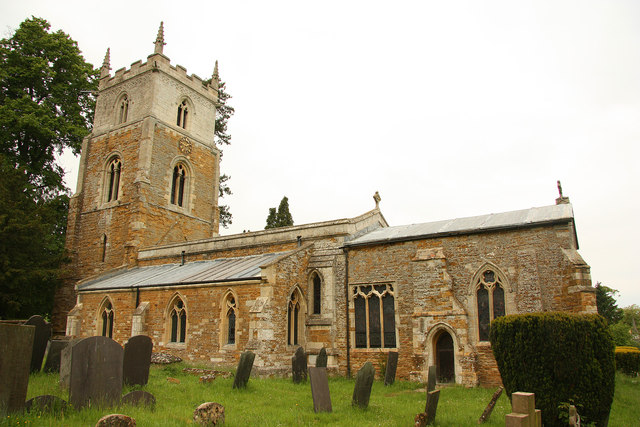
[(277, 401)]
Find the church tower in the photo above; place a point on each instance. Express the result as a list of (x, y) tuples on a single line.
[(149, 170)]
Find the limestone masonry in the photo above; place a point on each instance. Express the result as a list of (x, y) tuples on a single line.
[(147, 257)]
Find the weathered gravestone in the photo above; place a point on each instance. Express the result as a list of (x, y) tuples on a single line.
[(492, 403), (209, 414), (65, 363), (139, 398), (392, 365), (40, 340), (429, 415), (46, 404), (524, 412), (244, 369), (136, 360), (320, 389), (53, 355), (116, 420), (321, 360), (362, 389), (15, 360), (299, 366), (96, 372)]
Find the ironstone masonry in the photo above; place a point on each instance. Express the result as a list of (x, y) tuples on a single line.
[(148, 259)]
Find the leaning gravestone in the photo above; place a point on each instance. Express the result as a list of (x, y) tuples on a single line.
[(15, 360), (321, 360), (96, 372), (299, 366), (362, 389), (139, 398), (136, 360), (244, 369), (46, 404), (40, 340), (392, 365), (53, 355), (320, 389), (65, 363), (432, 406)]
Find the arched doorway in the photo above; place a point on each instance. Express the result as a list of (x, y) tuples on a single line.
[(445, 364)]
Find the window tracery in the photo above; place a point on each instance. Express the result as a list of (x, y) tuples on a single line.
[(375, 321), (178, 183), (106, 319), (178, 319), (112, 184), (183, 111), (490, 301)]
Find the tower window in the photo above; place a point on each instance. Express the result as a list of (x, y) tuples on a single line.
[(490, 301), (104, 248), (124, 110), (183, 112), (178, 185), (113, 179), (374, 316)]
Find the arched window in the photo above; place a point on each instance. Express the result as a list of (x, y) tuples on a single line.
[(106, 319), (294, 315), (375, 318), (231, 310), (178, 180), (112, 184), (317, 293), (178, 318), (123, 111), (183, 111), (490, 301)]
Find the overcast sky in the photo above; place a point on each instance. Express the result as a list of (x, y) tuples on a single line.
[(448, 109)]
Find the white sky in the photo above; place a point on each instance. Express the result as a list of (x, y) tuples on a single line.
[(448, 109)]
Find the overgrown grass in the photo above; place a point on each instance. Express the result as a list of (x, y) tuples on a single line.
[(278, 402)]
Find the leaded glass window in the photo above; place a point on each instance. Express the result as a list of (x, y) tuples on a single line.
[(374, 311), (106, 316), (490, 301), (178, 316)]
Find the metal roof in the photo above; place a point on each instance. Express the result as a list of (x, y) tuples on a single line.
[(218, 270), (513, 219)]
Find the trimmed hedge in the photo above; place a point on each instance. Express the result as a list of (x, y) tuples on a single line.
[(628, 360), (563, 358)]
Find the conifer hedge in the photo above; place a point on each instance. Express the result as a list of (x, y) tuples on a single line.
[(563, 358), (628, 360)]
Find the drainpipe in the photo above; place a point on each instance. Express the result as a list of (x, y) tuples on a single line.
[(346, 295), (182, 259)]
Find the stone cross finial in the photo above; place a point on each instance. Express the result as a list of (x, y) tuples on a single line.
[(160, 39), (104, 71), (377, 199), (559, 188)]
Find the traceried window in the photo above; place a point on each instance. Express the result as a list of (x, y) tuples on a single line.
[(317, 293), (178, 183), (375, 316), (490, 300), (178, 317), (112, 184), (230, 319), (183, 111), (106, 319), (123, 111), (294, 314)]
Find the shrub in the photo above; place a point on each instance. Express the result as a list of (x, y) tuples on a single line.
[(628, 360), (562, 358)]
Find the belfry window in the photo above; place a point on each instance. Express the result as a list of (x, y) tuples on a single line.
[(178, 185), (183, 111), (178, 316), (317, 294), (490, 300), (375, 317), (124, 110), (293, 319), (113, 179), (106, 319)]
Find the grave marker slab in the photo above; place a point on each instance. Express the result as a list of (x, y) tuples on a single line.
[(136, 360), (321, 360), (53, 355), (65, 363), (16, 343), (46, 404), (299, 366), (40, 340), (139, 398), (392, 365), (320, 389), (96, 372), (487, 412), (362, 389), (524, 412), (432, 405), (244, 369)]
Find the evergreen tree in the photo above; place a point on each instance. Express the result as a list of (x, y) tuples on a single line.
[(222, 137), (280, 218), (271, 219), (606, 303)]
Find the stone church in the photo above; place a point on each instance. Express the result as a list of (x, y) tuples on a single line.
[(147, 257)]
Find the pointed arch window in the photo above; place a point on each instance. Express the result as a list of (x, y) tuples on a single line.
[(178, 183), (231, 310), (178, 319), (490, 301), (112, 184), (375, 318), (106, 319), (317, 293), (294, 313), (183, 112), (123, 111)]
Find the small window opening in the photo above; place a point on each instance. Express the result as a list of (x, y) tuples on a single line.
[(113, 172), (182, 115), (177, 185), (124, 110)]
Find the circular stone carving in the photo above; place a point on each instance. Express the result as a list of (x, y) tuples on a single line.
[(185, 145)]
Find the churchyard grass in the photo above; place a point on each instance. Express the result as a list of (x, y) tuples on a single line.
[(279, 402)]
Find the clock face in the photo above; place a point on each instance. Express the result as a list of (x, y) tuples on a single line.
[(185, 145)]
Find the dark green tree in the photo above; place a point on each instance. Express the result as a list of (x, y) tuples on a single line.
[(606, 303), (46, 105), (280, 218)]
